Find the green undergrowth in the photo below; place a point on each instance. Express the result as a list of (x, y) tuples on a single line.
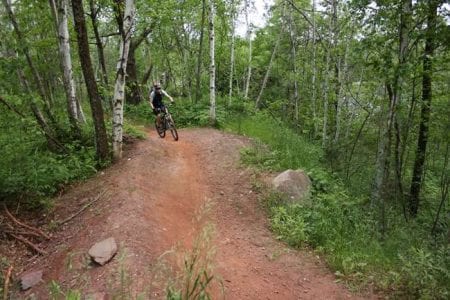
[(184, 112), (30, 174), (404, 263)]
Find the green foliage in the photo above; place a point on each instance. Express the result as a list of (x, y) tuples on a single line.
[(134, 131), (29, 171), (285, 148), (196, 115), (426, 273), (196, 279), (139, 113), (341, 225), (41, 173), (289, 226)]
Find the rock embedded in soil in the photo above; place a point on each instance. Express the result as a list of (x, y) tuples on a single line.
[(30, 279), (102, 252)]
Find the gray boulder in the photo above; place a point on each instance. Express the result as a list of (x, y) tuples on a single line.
[(296, 185), (103, 251)]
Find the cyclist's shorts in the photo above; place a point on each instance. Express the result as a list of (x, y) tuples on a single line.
[(157, 110)]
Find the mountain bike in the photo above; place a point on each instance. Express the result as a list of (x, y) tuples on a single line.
[(167, 123)]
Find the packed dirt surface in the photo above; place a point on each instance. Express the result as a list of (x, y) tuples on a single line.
[(163, 202)]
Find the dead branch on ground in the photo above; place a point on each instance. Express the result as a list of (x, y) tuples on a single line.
[(87, 205)]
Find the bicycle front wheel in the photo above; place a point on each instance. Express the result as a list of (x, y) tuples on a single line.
[(160, 130), (173, 129)]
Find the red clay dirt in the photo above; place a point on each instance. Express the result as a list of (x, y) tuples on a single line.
[(155, 203)]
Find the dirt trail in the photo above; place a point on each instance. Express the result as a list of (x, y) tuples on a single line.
[(151, 202)]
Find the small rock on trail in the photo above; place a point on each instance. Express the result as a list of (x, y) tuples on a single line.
[(103, 251), (30, 279)]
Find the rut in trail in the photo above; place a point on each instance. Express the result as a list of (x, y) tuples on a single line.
[(151, 205)]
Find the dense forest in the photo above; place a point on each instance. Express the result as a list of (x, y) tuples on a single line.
[(355, 92)]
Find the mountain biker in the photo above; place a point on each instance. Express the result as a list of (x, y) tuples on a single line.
[(156, 103)]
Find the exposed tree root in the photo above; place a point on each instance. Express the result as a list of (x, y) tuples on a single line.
[(7, 280), (36, 230), (28, 243)]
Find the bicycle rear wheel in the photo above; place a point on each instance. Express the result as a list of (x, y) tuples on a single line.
[(160, 130)]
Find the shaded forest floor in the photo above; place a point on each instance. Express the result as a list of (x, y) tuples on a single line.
[(164, 202)]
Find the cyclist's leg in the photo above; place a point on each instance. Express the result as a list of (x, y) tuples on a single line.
[(157, 112)]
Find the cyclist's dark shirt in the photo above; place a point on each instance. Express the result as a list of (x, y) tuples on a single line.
[(157, 100)]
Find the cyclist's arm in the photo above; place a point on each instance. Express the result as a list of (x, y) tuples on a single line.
[(167, 95), (151, 97)]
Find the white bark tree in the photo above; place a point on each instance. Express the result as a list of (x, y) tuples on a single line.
[(212, 66), (119, 88), (233, 21), (59, 9), (314, 70), (249, 38)]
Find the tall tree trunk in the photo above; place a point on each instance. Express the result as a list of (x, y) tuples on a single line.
[(119, 89), (98, 41), (266, 77), (325, 101), (249, 39), (212, 66), (292, 36), (383, 158), (233, 23), (101, 140), (340, 98), (59, 8), (133, 90), (417, 176), (200, 55), (314, 70), (147, 74)]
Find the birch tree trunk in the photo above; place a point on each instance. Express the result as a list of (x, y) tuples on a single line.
[(340, 98), (101, 141), (230, 94), (119, 89), (200, 55), (325, 102), (249, 39), (294, 66), (266, 77), (212, 66), (313, 83), (60, 7)]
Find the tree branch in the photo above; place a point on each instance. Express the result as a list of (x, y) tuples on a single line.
[(11, 107)]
